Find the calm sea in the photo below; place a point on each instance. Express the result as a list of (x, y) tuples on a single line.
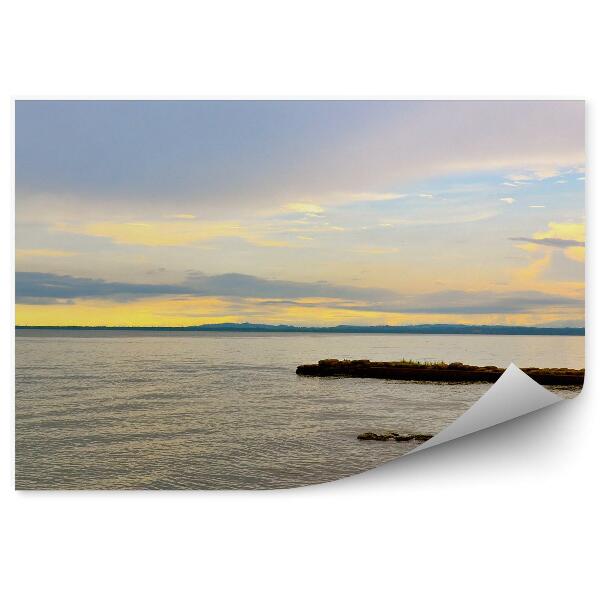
[(199, 410)]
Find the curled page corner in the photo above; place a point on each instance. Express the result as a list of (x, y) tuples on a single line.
[(513, 395)]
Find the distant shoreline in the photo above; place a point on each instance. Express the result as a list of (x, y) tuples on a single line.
[(378, 329)]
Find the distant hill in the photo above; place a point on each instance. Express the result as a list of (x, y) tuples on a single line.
[(429, 329)]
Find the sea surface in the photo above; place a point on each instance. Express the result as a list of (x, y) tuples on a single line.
[(203, 410)]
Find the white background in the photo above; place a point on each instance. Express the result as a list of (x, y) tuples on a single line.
[(507, 513)]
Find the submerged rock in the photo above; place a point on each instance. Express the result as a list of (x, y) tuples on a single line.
[(379, 437), (393, 435)]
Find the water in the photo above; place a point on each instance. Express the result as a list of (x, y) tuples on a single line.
[(199, 410)]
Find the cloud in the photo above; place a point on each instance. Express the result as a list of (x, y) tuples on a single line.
[(568, 231), (508, 200), (49, 288), (240, 285), (569, 237), (471, 303), (170, 233), (304, 207), (34, 300), (536, 206), (318, 204), (553, 242), (450, 303), (367, 197), (43, 252), (33, 285), (456, 215), (538, 174)]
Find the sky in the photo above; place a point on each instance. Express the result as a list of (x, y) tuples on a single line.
[(177, 213)]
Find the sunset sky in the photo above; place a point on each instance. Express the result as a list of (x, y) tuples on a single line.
[(304, 213)]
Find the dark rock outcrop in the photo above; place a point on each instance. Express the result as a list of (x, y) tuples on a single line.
[(413, 371), (393, 435), (379, 437)]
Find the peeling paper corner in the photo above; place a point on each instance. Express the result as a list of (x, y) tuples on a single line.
[(513, 395)]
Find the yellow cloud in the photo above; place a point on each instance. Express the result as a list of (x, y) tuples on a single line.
[(576, 253), (533, 271), (161, 233), (45, 252), (563, 231), (321, 202), (530, 278), (531, 275), (170, 233), (566, 231), (304, 207), (559, 231)]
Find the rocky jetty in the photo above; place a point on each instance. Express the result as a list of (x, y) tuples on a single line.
[(453, 372), (393, 435)]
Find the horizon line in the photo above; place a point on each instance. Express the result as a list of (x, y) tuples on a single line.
[(247, 325)]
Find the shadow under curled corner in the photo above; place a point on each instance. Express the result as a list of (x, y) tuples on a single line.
[(513, 395)]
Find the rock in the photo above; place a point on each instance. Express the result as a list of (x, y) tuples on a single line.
[(379, 437), (393, 435), (456, 372), (456, 366), (328, 362)]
